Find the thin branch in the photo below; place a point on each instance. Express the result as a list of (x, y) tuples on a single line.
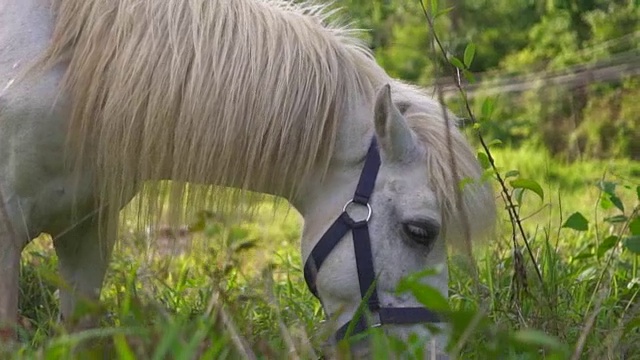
[(511, 207), (587, 329), (468, 249)]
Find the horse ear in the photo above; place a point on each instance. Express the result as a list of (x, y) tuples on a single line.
[(394, 135)]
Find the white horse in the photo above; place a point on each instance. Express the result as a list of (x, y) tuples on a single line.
[(257, 95)]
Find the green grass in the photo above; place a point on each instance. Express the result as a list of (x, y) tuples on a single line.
[(238, 284)]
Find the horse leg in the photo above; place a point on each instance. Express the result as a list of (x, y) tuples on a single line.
[(83, 256), (12, 241), (9, 276)]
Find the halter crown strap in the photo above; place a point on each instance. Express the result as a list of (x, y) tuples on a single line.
[(343, 224), (368, 175), (364, 255)]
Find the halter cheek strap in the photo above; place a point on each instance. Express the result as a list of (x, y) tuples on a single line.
[(364, 256)]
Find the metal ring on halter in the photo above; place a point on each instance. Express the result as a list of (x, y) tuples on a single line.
[(346, 206)]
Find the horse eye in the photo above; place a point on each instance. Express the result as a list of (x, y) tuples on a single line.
[(422, 232)]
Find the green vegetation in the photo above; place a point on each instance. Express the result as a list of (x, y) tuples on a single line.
[(236, 286), (178, 299), (562, 70)]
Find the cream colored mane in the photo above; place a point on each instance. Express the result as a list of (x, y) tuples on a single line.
[(187, 90)]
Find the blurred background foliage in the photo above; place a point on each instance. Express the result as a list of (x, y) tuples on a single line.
[(564, 73)]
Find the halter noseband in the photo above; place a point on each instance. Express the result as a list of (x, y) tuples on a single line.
[(364, 257)]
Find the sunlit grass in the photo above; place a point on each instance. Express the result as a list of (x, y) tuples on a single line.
[(233, 287)]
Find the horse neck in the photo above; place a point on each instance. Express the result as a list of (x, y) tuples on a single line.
[(330, 189), (20, 46)]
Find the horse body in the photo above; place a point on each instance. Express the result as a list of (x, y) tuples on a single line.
[(292, 114), (28, 135), (37, 189)]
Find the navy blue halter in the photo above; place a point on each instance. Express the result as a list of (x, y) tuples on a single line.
[(364, 257)]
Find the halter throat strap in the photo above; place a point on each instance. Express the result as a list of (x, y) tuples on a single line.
[(364, 257)]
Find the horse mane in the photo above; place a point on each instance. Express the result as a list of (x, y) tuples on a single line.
[(466, 198), (186, 90)]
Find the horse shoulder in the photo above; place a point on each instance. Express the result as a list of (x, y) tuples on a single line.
[(37, 188)]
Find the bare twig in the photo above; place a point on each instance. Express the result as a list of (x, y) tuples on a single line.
[(468, 249), (588, 325), (244, 351), (286, 335), (612, 340)]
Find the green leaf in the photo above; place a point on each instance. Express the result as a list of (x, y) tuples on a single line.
[(462, 318), (487, 175), (434, 7), (585, 252), (528, 184), (605, 202), (488, 105), (638, 192), (444, 11), (583, 255), (427, 295), (634, 226), (607, 244), (633, 243), (617, 202), (517, 194), (466, 181), (469, 76), (168, 341), (484, 160), (538, 338), (577, 222), (494, 142), (122, 348), (469, 54), (512, 173), (609, 188), (617, 219), (456, 62)]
